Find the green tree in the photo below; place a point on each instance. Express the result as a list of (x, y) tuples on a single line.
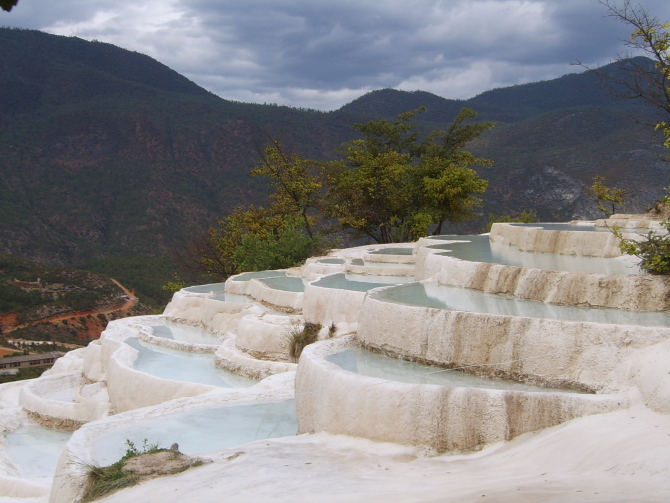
[(258, 238), (653, 250), (275, 248), (607, 199), (295, 180), (391, 186)]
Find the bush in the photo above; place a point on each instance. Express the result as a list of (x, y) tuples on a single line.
[(653, 251), (108, 479), (300, 337)]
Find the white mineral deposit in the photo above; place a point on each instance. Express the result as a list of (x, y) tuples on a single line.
[(526, 365)]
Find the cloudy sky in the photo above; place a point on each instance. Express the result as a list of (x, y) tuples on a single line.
[(324, 53)]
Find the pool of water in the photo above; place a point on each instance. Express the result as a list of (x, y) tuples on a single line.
[(387, 265), (246, 276), (480, 249), (359, 282), (184, 366), (393, 251), (35, 450), (184, 333), (456, 237), (331, 261), (232, 297), (464, 299), (286, 283), (384, 367), (210, 288), (565, 226), (202, 431)]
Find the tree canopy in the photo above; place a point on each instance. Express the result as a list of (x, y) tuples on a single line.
[(393, 186), (608, 199), (258, 238)]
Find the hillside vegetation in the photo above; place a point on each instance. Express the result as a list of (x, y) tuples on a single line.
[(40, 302), (107, 155)]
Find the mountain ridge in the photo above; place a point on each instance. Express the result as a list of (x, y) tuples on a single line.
[(108, 153)]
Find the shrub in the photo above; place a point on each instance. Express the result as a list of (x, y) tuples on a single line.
[(107, 479), (300, 337), (653, 251)]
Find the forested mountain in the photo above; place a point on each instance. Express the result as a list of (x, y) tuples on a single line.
[(107, 153)]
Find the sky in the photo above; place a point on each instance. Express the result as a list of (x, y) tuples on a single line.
[(322, 54)]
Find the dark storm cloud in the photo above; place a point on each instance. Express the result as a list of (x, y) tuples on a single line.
[(323, 54)]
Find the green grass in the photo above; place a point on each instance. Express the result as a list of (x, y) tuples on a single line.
[(108, 479)]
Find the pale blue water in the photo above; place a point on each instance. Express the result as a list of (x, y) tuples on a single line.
[(212, 287), (468, 300), (246, 276), (564, 226), (35, 450), (393, 251), (372, 364), (286, 283), (202, 431), (480, 249), (184, 366), (359, 282), (184, 333)]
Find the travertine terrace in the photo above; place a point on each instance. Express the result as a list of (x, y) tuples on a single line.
[(594, 344)]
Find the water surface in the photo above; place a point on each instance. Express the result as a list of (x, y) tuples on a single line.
[(372, 364), (474, 301), (184, 366), (480, 249), (35, 450), (202, 431)]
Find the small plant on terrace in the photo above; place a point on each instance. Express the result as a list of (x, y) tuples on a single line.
[(103, 480), (299, 337), (653, 250)]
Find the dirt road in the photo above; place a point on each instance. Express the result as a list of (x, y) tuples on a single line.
[(9, 322)]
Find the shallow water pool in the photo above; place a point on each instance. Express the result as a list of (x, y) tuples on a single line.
[(480, 249), (468, 300), (372, 364), (286, 283), (359, 282), (35, 450), (184, 366), (247, 276), (392, 251), (202, 431), (210, 288), (184, 333)]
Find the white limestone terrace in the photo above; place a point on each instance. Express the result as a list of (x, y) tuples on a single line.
[(600, 433)]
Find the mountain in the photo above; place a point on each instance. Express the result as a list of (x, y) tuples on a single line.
[(107, 153)]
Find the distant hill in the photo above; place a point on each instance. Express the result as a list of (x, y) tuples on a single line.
[(106, 153)]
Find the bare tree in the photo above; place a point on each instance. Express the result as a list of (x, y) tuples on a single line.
[(646, 79)]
